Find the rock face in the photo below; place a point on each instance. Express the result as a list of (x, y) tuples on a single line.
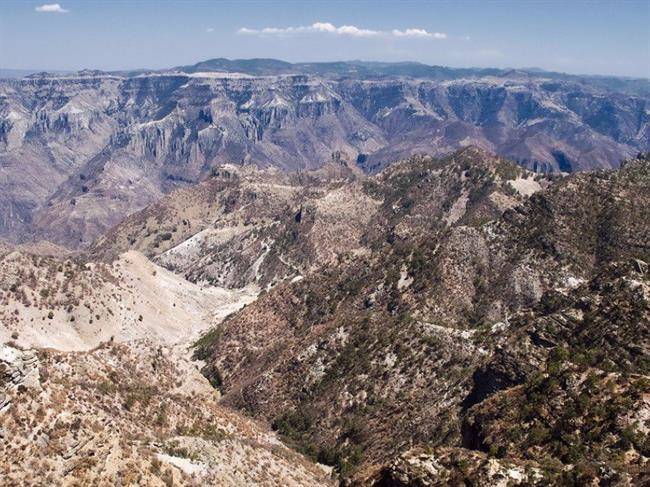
[(79, 152), (454, 466), (18, 368)]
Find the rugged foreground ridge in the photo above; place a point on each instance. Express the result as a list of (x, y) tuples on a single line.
[(129, 415), (96, 387), (500, 347), (447, 321), (79, 152)]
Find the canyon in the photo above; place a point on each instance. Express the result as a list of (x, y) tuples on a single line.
[(80, 151)]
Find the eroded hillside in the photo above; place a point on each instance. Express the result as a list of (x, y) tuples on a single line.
[(447, 320), (71, 305), (79, 152), (364, 359)]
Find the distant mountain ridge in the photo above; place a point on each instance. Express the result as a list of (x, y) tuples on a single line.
[(366, 69), (411, 69), (80, 151)]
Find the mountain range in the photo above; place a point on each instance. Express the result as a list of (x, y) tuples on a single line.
[(447, 320), (253, 272), (80, 151)]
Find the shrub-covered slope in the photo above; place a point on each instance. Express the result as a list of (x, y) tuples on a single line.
[(393, 348)]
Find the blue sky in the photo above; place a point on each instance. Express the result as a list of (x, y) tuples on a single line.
[(591, 37)]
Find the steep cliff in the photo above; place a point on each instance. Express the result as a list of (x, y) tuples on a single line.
[(79, 152)]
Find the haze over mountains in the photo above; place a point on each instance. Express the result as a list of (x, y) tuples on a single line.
[(80, 151)]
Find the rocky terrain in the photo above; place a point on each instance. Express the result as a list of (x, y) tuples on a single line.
[(566, 396), (96, 385), (455, 320), (449, 317), (72, 305), (80, 151), (129, 415)]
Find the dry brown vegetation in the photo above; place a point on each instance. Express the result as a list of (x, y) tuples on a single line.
[(132, 414), (362, 359)]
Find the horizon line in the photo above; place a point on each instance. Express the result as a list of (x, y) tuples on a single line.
[(527, 69)]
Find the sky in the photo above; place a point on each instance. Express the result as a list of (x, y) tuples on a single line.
[(581, 37)]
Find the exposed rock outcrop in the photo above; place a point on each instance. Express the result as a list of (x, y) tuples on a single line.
[(79, 152)]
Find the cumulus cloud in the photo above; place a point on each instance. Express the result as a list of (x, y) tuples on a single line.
[(316, 27), (343, 30), (346, 30), (51, 8), (422, 33)]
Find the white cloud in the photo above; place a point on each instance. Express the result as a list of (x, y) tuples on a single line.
[(51, 8), (346, 30), (419, 33), (343, 30), (209, 29), (316, 27)]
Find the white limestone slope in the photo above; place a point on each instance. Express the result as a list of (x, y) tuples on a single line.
[(74, 309)]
